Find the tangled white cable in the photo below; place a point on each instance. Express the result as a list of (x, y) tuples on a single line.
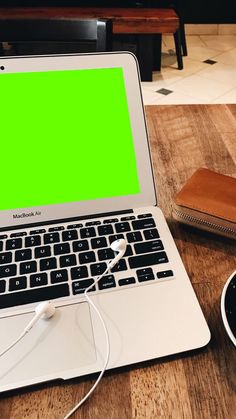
[(46, 310)]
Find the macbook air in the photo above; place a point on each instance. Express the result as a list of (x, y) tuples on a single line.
[(76, 175)]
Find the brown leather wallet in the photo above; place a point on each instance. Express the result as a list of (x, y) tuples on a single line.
[(208, 201)]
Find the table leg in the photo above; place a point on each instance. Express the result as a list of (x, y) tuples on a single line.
[(145, 56)]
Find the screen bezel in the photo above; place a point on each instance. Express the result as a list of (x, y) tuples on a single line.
[(147, 196)]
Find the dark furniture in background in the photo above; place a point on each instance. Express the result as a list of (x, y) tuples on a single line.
[(200, 11), (141, 24), (48, 36)]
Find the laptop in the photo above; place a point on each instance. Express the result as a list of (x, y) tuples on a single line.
[(76, 174)]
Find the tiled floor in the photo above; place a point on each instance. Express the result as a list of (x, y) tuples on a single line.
[(199, 82)]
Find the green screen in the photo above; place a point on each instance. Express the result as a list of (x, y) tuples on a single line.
[(65, 137)]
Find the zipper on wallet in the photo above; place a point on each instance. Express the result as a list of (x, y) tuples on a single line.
[(200, 221)]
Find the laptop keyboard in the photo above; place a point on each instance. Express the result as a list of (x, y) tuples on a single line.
[(61, 261)]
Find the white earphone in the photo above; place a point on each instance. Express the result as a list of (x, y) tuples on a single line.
[(45, 310), (120, 247)]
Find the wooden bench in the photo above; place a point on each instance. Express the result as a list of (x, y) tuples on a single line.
[(144, 22)]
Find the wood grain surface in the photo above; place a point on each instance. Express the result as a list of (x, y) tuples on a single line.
[(125, 20), (195, 385)]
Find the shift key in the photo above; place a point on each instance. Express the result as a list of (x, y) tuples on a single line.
[(147, 260)]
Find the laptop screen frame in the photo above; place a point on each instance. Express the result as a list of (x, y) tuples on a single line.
[(147, 196)]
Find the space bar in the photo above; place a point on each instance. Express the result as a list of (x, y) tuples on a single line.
[(32, 296)]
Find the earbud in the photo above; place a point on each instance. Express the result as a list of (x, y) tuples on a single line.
[(44, 310), (120, 247)]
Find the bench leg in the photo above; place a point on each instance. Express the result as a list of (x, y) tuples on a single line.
[(157, 40), (178, 49), (1, 49), (145, 56), (183, 39)]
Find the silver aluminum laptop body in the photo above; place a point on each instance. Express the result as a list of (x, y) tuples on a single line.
[(146, 319)]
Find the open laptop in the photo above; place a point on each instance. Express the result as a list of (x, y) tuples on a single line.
[(76, 174)]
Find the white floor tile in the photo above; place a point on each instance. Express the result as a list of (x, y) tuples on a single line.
[(219, 42), (201, 87), (227, 29), (201, 29), (220, 72), (149, 97), (198, 82), (202, 53), (177, 98), (229, 97), (228, 57)]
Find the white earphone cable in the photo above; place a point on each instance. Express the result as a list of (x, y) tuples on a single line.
[(13, 343), (107, 346)]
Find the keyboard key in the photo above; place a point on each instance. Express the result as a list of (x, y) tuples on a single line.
[(2, 286), (111, 220), (51, 238), (13, 244), (3, 236), (135, 236), (80, 245), (87, 232), (34, 295), (87, 257), (116, 237), (28, 267), (98, 268), (1, 246), (42, 252), (20, 234), (106, 282), (122, 227), (164, 274), (38, 280), (147, 247), (128, 251), (69, 235), (17, 283), (39, 231), (49, 263), (23, 254), (144, 215), (32, 241), (5, 258), (59, 276), (127, 281), (57, 228), (69, 260), (92, 223), (7, 270), (120, 266), (148, 259), (61, 248), (73, 226), (145, 223), (145, 274), (79, 272), (106, 254), (105, 230), (128, 218), (151, 234), (79, 287), (99, 242)]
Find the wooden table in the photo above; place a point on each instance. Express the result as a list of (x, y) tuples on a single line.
[(194, 385)]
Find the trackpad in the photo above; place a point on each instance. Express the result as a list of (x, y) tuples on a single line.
[(60, 347)]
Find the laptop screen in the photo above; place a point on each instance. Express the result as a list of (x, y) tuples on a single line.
[(65, 137)]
